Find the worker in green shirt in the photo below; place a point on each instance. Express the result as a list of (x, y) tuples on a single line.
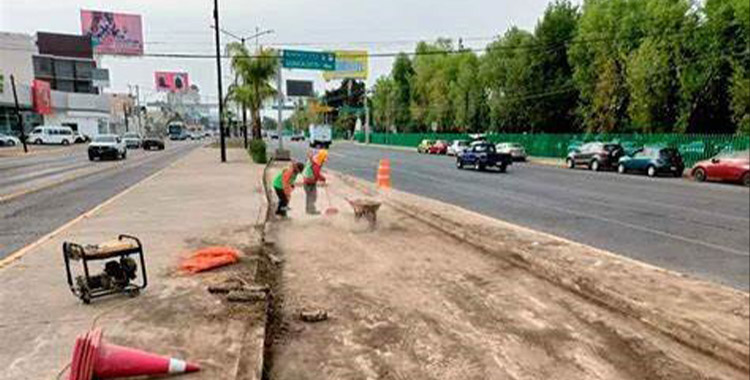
[(284, 184)]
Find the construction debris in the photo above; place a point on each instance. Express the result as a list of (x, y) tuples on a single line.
[(254, 294), (313, 315)]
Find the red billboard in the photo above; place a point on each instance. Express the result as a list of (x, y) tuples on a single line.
[(42, 97), (113, 33), (171, 81)]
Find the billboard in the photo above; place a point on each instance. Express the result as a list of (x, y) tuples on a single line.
[(113, 33), (302, 88), (350, 64), (170, 81), (42, 97)]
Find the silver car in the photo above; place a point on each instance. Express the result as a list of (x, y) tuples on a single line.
[(516, 150)]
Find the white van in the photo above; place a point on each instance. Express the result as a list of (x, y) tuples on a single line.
[(48, 134)]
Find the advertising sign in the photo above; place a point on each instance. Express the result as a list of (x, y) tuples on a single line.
[(42, 97), (100, 77), (311, 60), (350, 64), (302, 88), (170, 81), (113, 33)]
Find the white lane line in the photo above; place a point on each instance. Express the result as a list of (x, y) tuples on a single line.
[(545, 205), (7, 260)]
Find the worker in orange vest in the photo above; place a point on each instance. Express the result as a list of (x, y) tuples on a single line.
[(311, 175)]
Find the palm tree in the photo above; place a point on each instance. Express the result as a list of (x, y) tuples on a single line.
[(253, 85)]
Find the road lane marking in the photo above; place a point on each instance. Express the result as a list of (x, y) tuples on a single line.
[(544, 205), (4, 262), (77, 175)]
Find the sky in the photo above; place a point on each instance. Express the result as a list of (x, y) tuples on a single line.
[(183, 26)]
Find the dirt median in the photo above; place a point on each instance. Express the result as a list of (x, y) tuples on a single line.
[(413, 300)]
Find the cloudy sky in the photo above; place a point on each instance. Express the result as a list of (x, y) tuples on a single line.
[(183, 26)]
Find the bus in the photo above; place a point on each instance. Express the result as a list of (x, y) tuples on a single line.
[(177, 130)]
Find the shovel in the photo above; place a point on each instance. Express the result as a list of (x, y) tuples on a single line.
[(330, 211)]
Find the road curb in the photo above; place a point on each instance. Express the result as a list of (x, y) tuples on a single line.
[(684, 331), (4, 262)]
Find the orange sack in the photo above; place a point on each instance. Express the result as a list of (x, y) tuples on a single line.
[(210, 258)]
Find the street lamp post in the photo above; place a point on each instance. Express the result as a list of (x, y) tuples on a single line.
[(222, 142)]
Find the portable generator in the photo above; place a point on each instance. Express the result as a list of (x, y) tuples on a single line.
[(118, 274)]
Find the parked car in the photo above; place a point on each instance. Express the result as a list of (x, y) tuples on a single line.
[(439, 147), (652, 161), (153, 142), (132, 140), (456, 147), (424, 146), (107, 146), (50, 134), (595, 155), (515, 150), (79, 138), (728, 166), (298, 137), (482, 155), (8, 140)]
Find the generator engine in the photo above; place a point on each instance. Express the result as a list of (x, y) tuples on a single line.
[(120, 268)]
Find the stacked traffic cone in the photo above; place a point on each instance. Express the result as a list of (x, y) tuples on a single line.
[(93, 358), (384, 174)]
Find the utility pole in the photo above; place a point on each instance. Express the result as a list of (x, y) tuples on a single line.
[(279, 127), (218, 71), (18, 114), (125, 116), (138, 108), (367, 118)]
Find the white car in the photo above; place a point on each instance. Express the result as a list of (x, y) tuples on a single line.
[(107, 146), (47, 134), (456, 147), (132, 140), (516, 150), (8, 140)]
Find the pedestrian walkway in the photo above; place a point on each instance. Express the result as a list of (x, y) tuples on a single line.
[(194, 203)]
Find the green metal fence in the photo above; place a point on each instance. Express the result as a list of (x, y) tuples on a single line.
[(692, 147)]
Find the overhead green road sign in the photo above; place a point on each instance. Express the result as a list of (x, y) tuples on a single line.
[(311, 60)]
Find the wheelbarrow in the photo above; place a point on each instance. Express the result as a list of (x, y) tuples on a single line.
[(365, 208)]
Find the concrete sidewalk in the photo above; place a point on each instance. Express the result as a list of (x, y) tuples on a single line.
[(194, 203)]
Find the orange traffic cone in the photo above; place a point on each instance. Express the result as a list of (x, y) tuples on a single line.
[(93, 358), (384, 174)]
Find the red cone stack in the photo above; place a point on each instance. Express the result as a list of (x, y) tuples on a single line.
[(94, 358)]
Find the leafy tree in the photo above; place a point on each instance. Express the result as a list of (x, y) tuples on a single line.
[(255, 74), (384, 103), (506, 71), (402, 74), (552, 72)]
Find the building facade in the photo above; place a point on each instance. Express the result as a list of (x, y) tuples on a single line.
[(16, 52), (67, 63)]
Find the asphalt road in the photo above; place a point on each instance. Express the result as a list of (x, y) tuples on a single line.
[(700, 229), (26, 218)]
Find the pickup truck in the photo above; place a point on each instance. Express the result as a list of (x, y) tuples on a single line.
[(482, 155)]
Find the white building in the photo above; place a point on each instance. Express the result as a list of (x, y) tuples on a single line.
[(16, 51)]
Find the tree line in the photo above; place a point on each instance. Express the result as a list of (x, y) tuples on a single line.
[(608, 66)]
